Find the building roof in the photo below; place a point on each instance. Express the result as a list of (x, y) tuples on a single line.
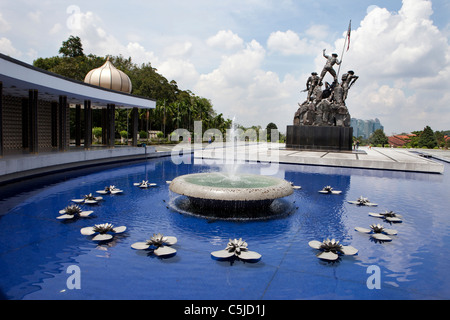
[(18, 78), (399, 139), (109, 77)]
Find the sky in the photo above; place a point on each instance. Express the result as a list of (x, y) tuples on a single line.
[(252, 58)]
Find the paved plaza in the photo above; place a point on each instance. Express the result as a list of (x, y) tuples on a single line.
[(364, 157)]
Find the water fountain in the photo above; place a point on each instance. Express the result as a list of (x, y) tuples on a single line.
[(230, 194)]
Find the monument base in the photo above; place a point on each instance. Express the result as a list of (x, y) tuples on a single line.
[(319, 138)]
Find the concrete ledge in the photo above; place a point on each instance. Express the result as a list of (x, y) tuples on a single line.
[(24, 166)]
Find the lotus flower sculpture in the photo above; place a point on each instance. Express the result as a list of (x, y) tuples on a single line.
[(102, 231), (361, 201), (331, 249), (236, 248), (378, 232), (295, 187), (88, 199), (329, 190), (110, 190), (389, 216), (73, 211), (144, 184), (159, 244)]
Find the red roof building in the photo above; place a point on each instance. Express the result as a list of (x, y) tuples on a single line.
[(399, 140)]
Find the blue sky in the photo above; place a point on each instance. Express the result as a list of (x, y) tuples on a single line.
[(251, 58)]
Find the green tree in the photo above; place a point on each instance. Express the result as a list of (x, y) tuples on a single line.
[(378, 137), (427, 139), (72, 47), (440, 138), (271, 126)]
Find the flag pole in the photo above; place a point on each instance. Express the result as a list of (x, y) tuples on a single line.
[(347, 36)]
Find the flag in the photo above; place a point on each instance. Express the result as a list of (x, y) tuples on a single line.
[(348, 34)]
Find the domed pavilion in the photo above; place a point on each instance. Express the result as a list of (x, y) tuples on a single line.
[(44, 113)]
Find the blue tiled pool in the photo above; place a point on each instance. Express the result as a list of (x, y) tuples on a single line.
[(37, 251)]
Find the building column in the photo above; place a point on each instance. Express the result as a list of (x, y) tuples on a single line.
[(104, 120), (33, 117), (1, 119), (87, 124), (62, 123), (134, 126), (78, 125), (111, 138)]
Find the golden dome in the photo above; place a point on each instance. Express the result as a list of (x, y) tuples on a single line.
[(107, 76)]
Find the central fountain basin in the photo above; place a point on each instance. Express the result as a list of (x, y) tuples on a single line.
[(238, 196)]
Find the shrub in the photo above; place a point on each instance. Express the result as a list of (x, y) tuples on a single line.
[(97, 132), (143, 134)]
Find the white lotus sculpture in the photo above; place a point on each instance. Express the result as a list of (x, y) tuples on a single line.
[(102, 231), (329, 190), (236, 248), (110, 190), (159, 244), (378, 232), (88, 199), (361, 201), (331, 249), (144, 184), (389, 216), (73, 211), (295, 187)]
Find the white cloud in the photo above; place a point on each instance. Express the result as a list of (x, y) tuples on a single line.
[(241, 88), (6, 47), (225, 39), (55, 29), (399, 44), (35, 16), (182, 49), (289, 43), (4, 25), (318, 31), (89, 27), (182, 71), (403, 61), (236, 70)]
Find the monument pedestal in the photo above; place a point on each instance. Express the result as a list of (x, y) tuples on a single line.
[(319, 138)]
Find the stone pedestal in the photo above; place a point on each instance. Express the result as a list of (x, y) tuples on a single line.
[(319, 138)]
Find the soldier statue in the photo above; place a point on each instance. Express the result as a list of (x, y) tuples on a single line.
[(331, 61), (348, 79), (311, 84)]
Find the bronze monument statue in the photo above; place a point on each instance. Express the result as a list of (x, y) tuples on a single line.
[(322, 121), (326, 107)]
